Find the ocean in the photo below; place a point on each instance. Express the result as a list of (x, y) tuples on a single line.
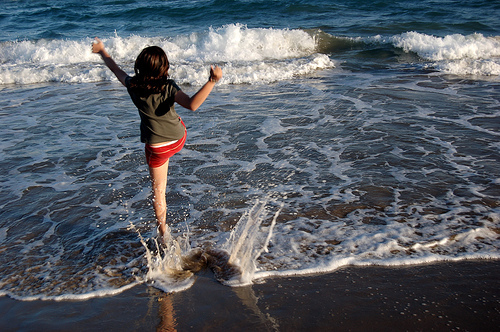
[(342, 133)]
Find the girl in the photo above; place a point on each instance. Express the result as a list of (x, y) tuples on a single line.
[(162, 130)]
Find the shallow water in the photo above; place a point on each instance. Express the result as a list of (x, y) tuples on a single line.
[(396, 170)]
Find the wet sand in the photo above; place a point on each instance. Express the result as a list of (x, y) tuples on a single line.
[(433, 297)]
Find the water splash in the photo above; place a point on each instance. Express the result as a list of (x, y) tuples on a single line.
[(172, 261), (165, 261), (247, 243)]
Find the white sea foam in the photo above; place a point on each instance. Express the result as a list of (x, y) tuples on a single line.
[(455, 54), (248, 56), (103, 292), (366, 246)]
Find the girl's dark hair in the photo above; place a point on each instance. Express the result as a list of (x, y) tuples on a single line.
[(151, 70)]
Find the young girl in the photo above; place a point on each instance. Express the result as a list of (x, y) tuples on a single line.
[(162, 130)]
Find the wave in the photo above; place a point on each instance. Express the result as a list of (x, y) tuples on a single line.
[(454, 54), (248, 55)]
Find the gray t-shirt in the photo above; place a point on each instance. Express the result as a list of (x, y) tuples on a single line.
[(159, 121)]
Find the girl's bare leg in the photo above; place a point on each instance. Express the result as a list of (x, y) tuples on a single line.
[(159, 183)]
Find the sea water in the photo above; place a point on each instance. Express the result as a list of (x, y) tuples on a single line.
[(342, 133)]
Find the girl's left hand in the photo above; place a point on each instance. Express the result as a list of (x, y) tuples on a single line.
[(215, 73)]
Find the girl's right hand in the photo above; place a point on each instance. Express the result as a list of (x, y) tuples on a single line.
[(97, 46)]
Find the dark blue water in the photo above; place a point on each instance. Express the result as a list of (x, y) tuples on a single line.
[(34, 20), (342, 132)]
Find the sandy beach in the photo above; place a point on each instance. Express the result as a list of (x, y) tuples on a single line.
[(433, 297)]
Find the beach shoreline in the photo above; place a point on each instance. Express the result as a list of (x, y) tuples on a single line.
[(460, 295)]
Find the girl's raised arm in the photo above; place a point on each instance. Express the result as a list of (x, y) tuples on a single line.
[(195, 101), (98, 47)]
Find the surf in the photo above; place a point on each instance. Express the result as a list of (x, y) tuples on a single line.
[(457, 54), (248, 55)]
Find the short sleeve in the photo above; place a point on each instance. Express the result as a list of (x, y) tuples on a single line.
[(127, 81), (175, 87)]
